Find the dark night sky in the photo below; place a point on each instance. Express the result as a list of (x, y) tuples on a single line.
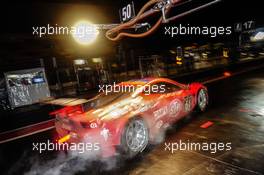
[(20, 47), (19, 17)]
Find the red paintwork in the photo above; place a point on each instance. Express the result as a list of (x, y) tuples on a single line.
[(159, 110)]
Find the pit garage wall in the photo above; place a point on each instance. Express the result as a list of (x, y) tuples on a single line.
[(26, 87)]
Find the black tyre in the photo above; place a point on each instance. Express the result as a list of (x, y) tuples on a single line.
[(135, 137)]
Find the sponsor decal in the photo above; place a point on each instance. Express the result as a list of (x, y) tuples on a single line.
[(160, 112), (188, 104), (174, 108), (105, 134)]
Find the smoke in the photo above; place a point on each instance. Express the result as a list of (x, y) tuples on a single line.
[(70, 163)]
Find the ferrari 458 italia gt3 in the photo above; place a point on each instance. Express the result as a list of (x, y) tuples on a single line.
[(126, 122)]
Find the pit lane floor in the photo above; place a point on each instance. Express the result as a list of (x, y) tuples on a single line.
[(236, 110)]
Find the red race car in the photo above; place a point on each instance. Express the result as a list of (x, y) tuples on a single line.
[(126, 117)]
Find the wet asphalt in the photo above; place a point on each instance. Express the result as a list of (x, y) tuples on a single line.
[(236, 111)]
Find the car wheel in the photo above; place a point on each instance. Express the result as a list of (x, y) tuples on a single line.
[(202, 100), (135, 137)]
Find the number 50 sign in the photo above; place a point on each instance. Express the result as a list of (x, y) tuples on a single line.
[(127, 12)]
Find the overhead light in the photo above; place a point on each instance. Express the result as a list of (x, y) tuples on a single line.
[(85, 32), (79, 62), (97, 60)]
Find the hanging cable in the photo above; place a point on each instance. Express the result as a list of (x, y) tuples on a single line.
[(158, 6)]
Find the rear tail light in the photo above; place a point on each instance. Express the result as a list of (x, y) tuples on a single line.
[(67, 110)]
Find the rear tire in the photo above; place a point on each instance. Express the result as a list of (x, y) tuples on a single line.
[(135, 138)]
